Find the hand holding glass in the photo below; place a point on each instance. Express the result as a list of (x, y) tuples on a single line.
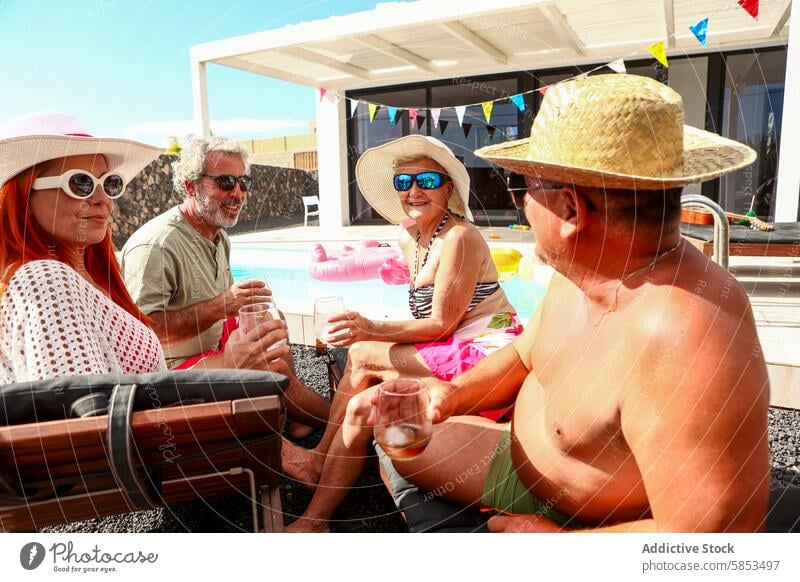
[(250, 316), (403, 428), (324, 308)]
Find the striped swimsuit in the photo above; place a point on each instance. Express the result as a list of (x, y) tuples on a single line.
[(420, 300)]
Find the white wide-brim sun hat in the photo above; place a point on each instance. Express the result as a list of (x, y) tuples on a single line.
[(32, 139), (375, 175)]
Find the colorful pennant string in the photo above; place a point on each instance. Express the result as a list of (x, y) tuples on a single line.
[(420, 121), (435, 112), (700, 30), (519, 101), (412, 114), (659, 52), (618, 66), (487, 107), (322, 92), (373, 108), (460, 110), (751, 6), (353, 106), (490, 129), (392, 114), (443, 125), (466, 127)]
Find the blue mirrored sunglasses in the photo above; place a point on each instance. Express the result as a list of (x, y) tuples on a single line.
[(425, 180)]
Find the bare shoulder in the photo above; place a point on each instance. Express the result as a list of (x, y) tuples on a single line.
[(465, 233)]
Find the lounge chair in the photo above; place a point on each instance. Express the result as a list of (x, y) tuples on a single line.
[(88, 446), (784, 241)]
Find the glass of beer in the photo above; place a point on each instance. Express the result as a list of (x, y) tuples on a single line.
[(324, 308), (403, 428), (250, 316)]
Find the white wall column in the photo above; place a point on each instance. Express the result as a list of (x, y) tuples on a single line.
[(788, 195), (334, 202), (200, 98)]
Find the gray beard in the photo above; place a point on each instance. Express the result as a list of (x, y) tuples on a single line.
[(211, 212)]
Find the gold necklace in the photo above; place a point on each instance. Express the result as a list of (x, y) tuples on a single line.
[(651, 265)]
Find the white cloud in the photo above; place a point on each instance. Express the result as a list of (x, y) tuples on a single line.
[(158, 132)]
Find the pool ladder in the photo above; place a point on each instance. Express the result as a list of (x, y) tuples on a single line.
[(721, 247)]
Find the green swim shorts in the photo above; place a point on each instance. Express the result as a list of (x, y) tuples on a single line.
[(503, 489)]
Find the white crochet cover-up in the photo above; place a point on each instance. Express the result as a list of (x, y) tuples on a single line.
[(55, 323)]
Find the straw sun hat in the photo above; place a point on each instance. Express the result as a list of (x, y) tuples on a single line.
[(618, 131), (36, 138), (375, 173)]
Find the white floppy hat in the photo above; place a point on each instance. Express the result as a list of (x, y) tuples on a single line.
[(375, 173), (33, 139), (618, 131)]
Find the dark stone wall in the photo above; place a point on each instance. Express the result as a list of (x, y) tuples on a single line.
[(274, 199)]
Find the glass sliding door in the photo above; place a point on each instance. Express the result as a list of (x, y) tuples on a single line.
[(752, 114)]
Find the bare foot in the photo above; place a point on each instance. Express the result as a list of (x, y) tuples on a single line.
[(302, 465), (299, 431), (308, 525)]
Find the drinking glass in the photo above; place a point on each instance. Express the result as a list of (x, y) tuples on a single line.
[(325, 307), (403, 428), (250, 316)]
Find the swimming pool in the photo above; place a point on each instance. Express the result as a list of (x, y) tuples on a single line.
[(287, 271)]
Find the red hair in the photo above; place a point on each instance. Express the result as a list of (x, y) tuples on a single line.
[(24, 240)]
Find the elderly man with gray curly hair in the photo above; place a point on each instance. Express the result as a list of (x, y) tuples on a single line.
[(177, 268)]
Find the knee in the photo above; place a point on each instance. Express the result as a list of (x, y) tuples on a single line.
[(363, 363)]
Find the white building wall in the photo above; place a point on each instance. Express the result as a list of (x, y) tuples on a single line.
[(334, 201), (689, 77)]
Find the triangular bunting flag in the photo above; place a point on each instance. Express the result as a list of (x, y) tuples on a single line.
[(751, 6), (700, 30), (435, 114), (490, 129), (460, 113), (487, 110), (659, 53), (412, 115), (466, 127), (373, 108), (617, 66), (353, 106), (519, 101), (420, 121), (392, 114), (543, 90), (443, 125), (322, 91)]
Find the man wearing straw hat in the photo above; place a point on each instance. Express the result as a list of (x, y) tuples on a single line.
[(640, 389)]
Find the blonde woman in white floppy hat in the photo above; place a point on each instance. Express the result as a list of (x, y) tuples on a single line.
[(640, 389), (460, 312)]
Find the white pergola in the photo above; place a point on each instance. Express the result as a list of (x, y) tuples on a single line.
[(434, 39)]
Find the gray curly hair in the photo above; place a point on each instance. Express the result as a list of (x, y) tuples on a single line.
[(189, 165)]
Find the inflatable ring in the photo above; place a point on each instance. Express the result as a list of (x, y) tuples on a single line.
[(370, 261)]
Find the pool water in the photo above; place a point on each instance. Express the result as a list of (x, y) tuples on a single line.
[(287, 272)]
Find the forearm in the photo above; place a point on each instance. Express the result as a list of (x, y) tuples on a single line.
[(410, 331), (173, 327), (493, 383)]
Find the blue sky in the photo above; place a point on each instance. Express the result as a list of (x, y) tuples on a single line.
[(122, 66)]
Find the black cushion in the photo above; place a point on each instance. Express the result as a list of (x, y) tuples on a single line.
[(783, 515), (784, 233), (55, 399)]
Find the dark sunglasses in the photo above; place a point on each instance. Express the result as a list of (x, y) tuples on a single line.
[(425, 180), (517, 189), (81, 185), (227, 182)]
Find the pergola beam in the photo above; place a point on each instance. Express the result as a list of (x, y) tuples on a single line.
[(381, 45), (476, 41), (564, 29), (250, 67), (326, 61), (669, 20), (783, 16)]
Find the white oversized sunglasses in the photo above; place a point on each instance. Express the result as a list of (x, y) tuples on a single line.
[(80, 184)]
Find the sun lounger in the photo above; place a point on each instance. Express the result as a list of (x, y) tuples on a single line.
[(169, 438), (784, 241)]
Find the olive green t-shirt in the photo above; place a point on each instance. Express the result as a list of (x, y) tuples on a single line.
[(168, 266)]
